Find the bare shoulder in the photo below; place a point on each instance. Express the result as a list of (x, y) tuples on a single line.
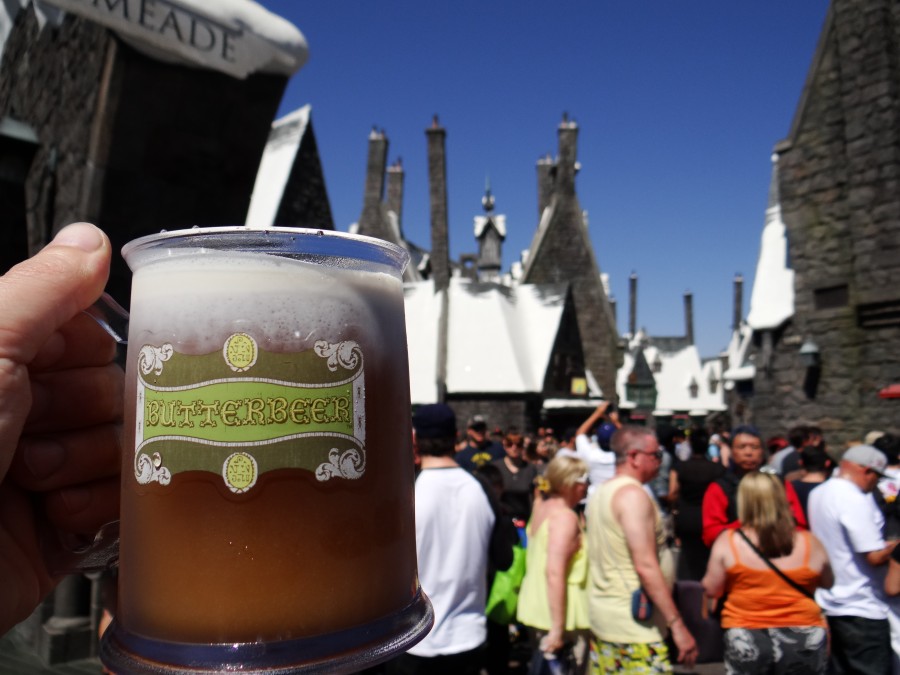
[(564, 518), (721, 548), (632, 496), (564, 531), (816, 547), (631, 501)]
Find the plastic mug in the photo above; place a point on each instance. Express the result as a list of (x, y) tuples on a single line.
[(267, 484)]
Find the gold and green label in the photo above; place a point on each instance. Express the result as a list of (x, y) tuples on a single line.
[(241, 411)]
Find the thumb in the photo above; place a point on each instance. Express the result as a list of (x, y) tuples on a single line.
[(39, 295)]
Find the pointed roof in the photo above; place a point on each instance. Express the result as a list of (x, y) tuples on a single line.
[(641, 372), (275, 167), (772, 298), (498, 221), (561, 251)]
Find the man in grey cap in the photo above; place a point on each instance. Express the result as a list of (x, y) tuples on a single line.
[(845, 517)]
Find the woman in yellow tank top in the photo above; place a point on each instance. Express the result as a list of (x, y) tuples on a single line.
[(553, 596)]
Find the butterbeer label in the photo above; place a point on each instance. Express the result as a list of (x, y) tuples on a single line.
[(241, 411)]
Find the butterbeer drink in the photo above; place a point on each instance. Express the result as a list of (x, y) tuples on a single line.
[(268, 473)]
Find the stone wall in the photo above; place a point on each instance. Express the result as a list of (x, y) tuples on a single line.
[(513, 412), (840, 196), (49, 80), (130, 143)]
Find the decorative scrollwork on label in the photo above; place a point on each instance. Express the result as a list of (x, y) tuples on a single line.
[(150, 470), (348, 464), (346, 354), (151, 359)]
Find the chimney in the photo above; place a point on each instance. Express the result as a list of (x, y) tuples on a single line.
[(395, 190), (632, 304), (689, 317), (738, 301), (437, 190), (565, 163), (545, 183), (369, 221)]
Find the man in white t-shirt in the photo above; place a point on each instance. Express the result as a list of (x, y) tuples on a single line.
[(600, 460), (454, 521), (845, 517)]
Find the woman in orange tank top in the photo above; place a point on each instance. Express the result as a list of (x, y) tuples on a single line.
[(772, 624)]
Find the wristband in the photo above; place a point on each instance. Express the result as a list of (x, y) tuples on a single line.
[(675, 619)]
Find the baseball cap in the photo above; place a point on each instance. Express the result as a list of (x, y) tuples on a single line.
[(478, 422), (873, 436), (604, 433), (868, 457), (434, 420)]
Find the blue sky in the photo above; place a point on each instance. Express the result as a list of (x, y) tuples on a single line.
[(679, 105)]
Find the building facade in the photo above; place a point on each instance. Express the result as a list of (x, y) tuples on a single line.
[(832, 360)]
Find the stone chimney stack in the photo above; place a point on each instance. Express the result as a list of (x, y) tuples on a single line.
[(378, 147), (370, 220), (689, 317), (545, 172), (632, 304), (437, 189), (395, 189), (738, 301), (565, 163)]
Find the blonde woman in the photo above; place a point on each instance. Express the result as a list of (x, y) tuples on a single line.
[(768, 570), (553, 596)]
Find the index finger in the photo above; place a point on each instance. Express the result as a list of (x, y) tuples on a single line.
[(39, 295)]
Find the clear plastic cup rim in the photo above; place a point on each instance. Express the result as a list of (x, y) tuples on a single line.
[(280, 241)]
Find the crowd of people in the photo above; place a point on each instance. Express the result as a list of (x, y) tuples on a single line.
[(787, 547), (575, 541)]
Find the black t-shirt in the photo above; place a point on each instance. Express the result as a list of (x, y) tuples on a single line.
[(472, 457), (518, 489), (694, 476), (803, 489)]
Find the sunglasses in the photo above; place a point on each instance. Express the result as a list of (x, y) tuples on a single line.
[(658, 455)]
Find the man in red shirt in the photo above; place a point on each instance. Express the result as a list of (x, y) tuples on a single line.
[(720, 500)]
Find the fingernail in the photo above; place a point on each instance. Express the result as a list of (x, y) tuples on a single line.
[(76, 499), (43, 458), (83, 236)]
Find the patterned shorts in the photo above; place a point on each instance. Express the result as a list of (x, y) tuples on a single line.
[(801, 649), (632, 659)]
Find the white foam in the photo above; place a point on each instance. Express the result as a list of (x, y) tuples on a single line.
[(198, 299)]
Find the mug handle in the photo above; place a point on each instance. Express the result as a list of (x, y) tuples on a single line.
[(111, 316), (73, 555), (65, 555)]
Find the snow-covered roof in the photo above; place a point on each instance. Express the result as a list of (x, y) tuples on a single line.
[(423, 312), (275, 167), (677, 372), (772, 298), (499, 221), (237, 37), (740, 367), (500, 338)]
